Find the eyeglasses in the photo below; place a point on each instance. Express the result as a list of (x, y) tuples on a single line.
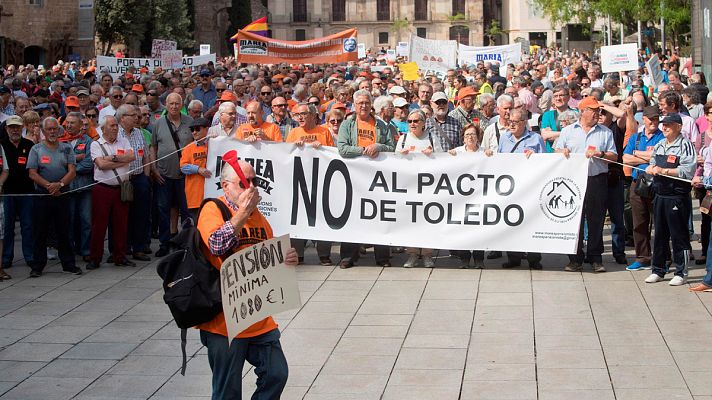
[(470, 134), (265, 93), (441, 102), (151, 94), (364, 104), (335, 121), (301, 114), (288, 93), (314, 103), (196, 128), (516, 121), (220, 90), (279, 105), (414, 121), (117, 96), (92, 115)]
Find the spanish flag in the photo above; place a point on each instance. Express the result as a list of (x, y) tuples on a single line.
[(258, 27)]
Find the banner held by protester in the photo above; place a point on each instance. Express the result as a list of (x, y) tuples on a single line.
[(336, 48)]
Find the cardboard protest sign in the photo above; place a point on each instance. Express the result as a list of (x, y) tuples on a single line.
[(502, 55), (409, 70), (654, 70), (255, 284), (433, 55), (620, 57), (159, 45), (204, 49), (402, 49), (361, 50), (172, 59)]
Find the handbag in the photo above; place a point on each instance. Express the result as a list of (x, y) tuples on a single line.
[(706, 203), (644, 185), (127, 190)]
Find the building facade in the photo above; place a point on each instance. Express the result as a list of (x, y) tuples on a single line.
[(43, 31), (380, 23)]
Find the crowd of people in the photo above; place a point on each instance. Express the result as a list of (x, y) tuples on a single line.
[(91, 152)]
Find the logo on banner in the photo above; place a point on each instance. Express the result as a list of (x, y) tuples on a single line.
[(350, 45), (560, 199), (489, 57), (263, 169), (253, 47)]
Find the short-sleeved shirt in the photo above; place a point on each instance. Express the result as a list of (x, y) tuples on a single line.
[(317, 134), (577, 141), (366, 132), (195, 154), (645, 144), (413, 143), (51, 164), (531, 141), (451, 130), (550, 119), (270, 130), (16, 159), (120, 146), (163, 141), (136, 139)]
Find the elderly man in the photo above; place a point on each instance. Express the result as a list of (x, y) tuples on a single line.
[(205, 92), (675, 156), (139, 170), (442, 126), (266, 96), (588, 137), (116, 99), (363, 135), (492, 134), (51, 167), (112, 155), (550, 127), (280, 116), (17, 149), (488, 105), (256, 128), (670, 103), (226, 123), (195, 109), (259, 343), (425, 93), (192, 165), (80, 198), (383, 105), (465, 112), (170, 134)]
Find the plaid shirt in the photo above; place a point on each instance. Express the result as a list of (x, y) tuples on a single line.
[(224, 238), (451, 128), (285, 125), (137, 143)]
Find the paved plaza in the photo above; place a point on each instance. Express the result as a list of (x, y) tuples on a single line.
[(374, 333)]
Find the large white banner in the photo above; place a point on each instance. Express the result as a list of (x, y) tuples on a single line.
[(503, 55), (463, 202), (119, 66), (255, 283), (433, 55), (620, 57)]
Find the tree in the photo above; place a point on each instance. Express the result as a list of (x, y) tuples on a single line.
[(398, 25), (493, 32), (120, 21), (171, 22)]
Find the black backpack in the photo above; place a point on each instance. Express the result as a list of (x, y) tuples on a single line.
[(191, 284)]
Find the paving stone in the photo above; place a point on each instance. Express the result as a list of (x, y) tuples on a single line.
[(123, 386), (65, 368), (100, 351), (17, 371), (33, 351), (47, 388)]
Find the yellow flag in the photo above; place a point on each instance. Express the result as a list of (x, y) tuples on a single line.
[(409, 70)]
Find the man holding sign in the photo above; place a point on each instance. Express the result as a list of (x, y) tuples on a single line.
[(258, 344)]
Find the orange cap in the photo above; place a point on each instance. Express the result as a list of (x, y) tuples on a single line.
[(589, 102), (137, 88), (228, 96), (466, 91), (72, 101)]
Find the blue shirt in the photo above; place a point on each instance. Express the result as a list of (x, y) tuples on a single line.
[(529, 141), (207, 97), (577, 141), (642, 146)]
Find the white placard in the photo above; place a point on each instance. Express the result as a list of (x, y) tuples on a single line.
[(402, 49), (390, 55), (172, 59), (119, 66), (255, 283), (361, 50), (159, 45), (464, 202), (656, 73), (502, 55), (619, 58), (433, 55), (204, 49)]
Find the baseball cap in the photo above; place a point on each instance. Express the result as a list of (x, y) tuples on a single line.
[(137, 88), (82, 92), (200, 122), (399, 102), (438, 96), (204, 72), (14, 120), (72, 101), (589, 102), (397, 90), (651, 112), (228, 96), (339, 105), (4, 89), (466, 91), (672, 119)]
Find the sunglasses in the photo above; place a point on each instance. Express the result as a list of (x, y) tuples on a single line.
[(279, 105), (249, 180), (196, 128), (414, 121), (220, 90), (152, 94), (441, 102), (118, 96), (266, 93), (288, 93), (92, 115), (335, 121), (314, 103)]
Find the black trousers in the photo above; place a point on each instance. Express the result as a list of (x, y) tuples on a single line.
[(351, 252), (594, 212), (516, 257), (465, 255), (51, 212), (671, 214)]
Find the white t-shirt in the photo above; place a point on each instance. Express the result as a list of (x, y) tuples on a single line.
[(413, 143)]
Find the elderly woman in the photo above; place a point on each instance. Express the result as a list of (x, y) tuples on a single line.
[(705, 178), (334, 118), (418, 140), (31, 130)]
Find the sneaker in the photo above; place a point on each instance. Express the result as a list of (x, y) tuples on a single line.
[(35, 274), (73, 271), (478, 264), (637, 266), (428, 262), (653, 278), (92, 265), (598, 267), (325, 261), (464, 264), (573, 267), (677, 281), (412, 259), (51, 253)]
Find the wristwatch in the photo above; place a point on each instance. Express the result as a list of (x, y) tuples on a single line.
[(114, 158), (61, 184)]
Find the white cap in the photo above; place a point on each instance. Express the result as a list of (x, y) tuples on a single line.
[(399, 102), (397, 90), (438, 96)]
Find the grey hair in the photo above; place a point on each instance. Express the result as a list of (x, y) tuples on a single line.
[(420, 113), (123, 110), (568, 116), (225, 107), (227, 173), (113, 88), (380, 102), (153, 85), (53, 85), (102, 124), (485, 98), (299, 90), (518, 111), (504, 98), (74, 114), (51, 119), (193, 103), (363, 93), (310, 107)]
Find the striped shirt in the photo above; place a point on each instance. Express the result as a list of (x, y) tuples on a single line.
[(139, 148)]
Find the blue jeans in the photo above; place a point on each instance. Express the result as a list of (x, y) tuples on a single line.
[(139, 214), (616, 204), (226, 362), (171, 193), (80, 221), (14, 207)]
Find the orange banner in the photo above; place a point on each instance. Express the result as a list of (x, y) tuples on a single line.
[(339, 47)]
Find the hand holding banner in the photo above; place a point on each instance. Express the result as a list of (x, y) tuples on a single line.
[(255, 283)]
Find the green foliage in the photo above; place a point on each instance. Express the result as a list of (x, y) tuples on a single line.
[(456, 17), (171, 22), (120, 20)]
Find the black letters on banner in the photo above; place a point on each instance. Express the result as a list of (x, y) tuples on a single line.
[(300, 184), (337, 222)]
